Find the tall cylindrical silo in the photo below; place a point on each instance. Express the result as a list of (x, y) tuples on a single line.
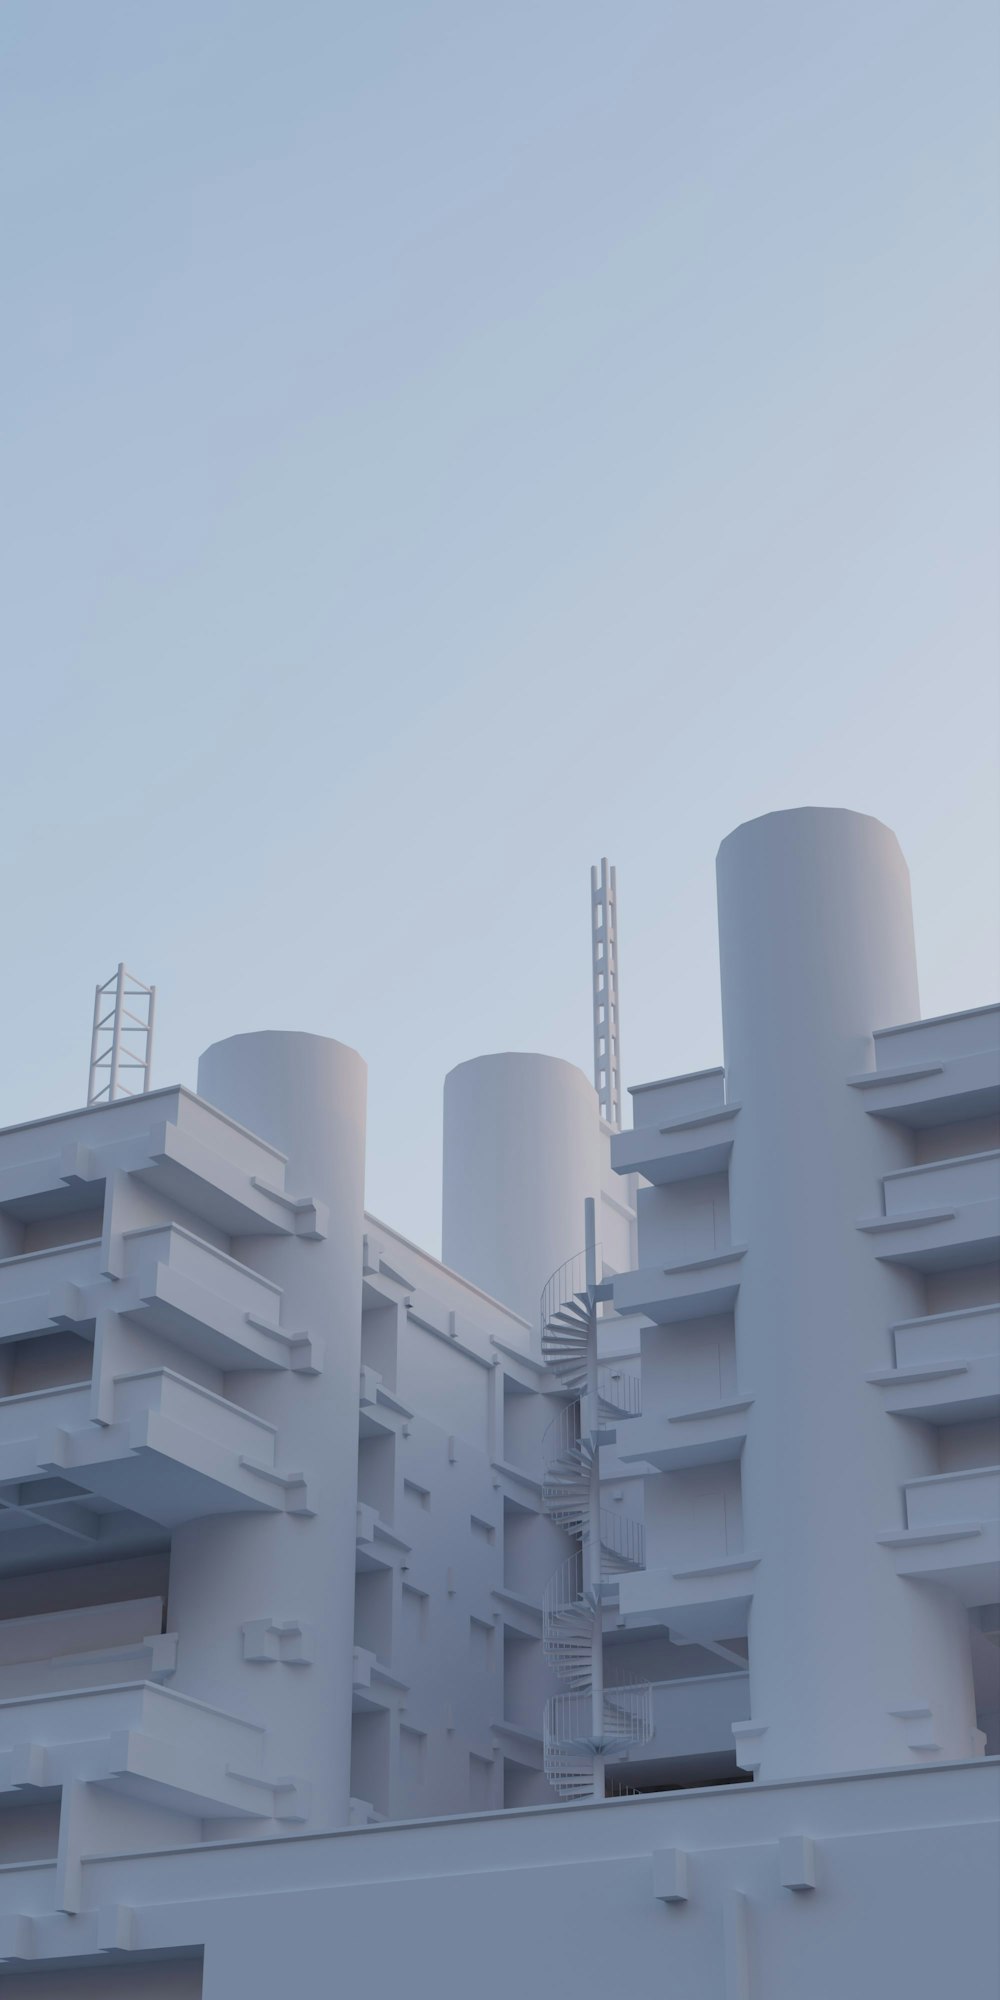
[(817, 951), (305, 1094), (521, 1154)]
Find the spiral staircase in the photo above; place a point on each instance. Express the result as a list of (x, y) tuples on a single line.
[(593, 1722)]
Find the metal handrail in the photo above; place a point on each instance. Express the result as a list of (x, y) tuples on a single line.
[(621, 1390), (565, 1282), (624, 1536), (627, 1717), (563, 1589), (562, 1434)]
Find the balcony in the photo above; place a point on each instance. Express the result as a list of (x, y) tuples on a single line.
[(376, 1546), (708, 1601), (680, 1141), (947, 1367), (952, 1534), (206, 1302), (144, 1741), (935, 1072), (49, 1288), (172, 1141), (172, 1452), (694, 1717), (942, 1216), (174, 1282), (379, 1413), (705, 1436), (693, 1290), (373, 1686), (98, 1645), (673, 1099)]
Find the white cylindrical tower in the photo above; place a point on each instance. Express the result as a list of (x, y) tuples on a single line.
[(816, 939), (306, 1095), (522, 1142)]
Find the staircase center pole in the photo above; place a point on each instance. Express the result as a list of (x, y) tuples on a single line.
[(592, 1545)]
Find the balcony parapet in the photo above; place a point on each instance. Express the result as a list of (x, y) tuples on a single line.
[(206, 1302), (670, 1099), (673, 1440), (706, 1601), (952, 1533), (376, 1544), (95, 1646), (947, 1367), (694, 1716), (172, 1451), (197, 1297), (45, 1289), (695, 1289), (939, 1037), (686, 1148), (379, 1413), (936, 1071), (374, 1687), (146, 1741), (173, 1141), (940, 1216)]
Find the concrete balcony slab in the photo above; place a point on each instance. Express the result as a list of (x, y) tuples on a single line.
[(173, 1452), (947, 1367), (97, 1645), (970, 1334), (688, 1148), (694, 1716), (707, 1601), (669, 1099), (952, 1534), (936, 1071), (706, 1436), (144, 1741), (201, 1300), (684, 1291), (49, 1288), (173, 1141), (942, 1216), (934, 1093)]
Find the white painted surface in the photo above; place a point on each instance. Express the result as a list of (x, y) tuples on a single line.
[(274, 1541), (522, 1140), (816, 942)]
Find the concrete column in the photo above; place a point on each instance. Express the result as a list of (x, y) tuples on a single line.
[(816, 939), (305, 1095), (521, 1156)]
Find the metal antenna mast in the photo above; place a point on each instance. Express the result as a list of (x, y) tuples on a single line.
[(607, 1045), (121, 1046)]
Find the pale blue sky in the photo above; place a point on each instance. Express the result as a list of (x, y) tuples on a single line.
[(445, 442)]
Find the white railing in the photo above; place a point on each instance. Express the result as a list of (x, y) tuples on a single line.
[(566, 1282), (628, 1713), (561, 1438), (620, 1390), (626, 1717), (624, 1537), (584, 1724), (564, 1590)]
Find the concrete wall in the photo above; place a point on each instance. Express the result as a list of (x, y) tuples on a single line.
[(569, 1900)]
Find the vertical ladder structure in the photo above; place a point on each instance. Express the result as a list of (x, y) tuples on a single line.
[(604, 959), (121, 1045), (592, 1723)]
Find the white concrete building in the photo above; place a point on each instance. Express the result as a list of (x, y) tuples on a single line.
[(328, 1570)]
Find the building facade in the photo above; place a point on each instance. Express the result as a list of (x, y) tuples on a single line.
[(368, 1615)]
